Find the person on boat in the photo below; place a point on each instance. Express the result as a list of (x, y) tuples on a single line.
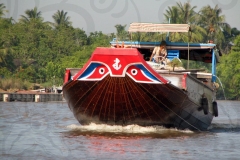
[(159, 53)]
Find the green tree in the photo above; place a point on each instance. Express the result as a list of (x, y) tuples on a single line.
[(80, 37), (2, 10), (31, 15), (214, 23), (229, 72), (32, 50), (185, 14), (54, 72), (7, 40), (61, 19), (121, 32), (96, 39), (172, 14), (235, 32), (3, 26)]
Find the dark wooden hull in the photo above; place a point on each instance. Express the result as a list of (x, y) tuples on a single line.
[(122, 101)]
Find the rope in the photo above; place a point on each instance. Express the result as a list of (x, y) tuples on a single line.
[(176, 113)]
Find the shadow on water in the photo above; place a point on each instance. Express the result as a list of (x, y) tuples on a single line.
[(131, 131)]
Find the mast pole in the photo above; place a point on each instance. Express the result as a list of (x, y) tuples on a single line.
[(167, 37), (188, 52)]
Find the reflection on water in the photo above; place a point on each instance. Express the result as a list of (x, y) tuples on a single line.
[(49, 131)]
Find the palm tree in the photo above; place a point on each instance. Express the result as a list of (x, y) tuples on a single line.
[(31, 15), (61, 19), (185, 14), (182, 13), (214, 23), (5, 49), (172, 14), (2, 9)]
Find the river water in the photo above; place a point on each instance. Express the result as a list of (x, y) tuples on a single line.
[(49, 131)]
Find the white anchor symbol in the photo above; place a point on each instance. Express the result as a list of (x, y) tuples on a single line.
[(116, 65)]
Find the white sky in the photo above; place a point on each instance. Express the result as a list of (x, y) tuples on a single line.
[(103, 15)]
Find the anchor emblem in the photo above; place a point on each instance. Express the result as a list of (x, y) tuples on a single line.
[(116, 65)]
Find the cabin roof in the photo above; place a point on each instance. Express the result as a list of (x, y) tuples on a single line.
[(170, 45), (153, 27), (197, 51)]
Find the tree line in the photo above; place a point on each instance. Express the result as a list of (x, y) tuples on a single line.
[(37, 51)]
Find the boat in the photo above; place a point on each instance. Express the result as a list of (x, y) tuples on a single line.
[(119, 85)]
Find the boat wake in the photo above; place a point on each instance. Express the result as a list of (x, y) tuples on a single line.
[(224, 127), (130, 130)]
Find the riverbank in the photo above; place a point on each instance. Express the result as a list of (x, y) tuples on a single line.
[(41, 95)]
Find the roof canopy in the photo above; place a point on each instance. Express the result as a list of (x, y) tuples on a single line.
[(151, 27)]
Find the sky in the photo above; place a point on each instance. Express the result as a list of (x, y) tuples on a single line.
[(103, 15)]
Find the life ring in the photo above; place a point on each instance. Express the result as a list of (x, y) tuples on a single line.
[(215, 109), (204, 103)]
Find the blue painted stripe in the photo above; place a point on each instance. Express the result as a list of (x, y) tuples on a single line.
[(214, 72), (146, 72), (89, 70)]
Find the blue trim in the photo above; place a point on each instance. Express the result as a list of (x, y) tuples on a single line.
[(213, 67), (89, 69), (171, 54), (140, 66), (168, 43)]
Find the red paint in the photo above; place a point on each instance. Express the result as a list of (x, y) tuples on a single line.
[(184, 83), (67, 76), (125, 56)]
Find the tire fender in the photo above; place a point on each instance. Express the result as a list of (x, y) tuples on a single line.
[(204, 103), (215, 109)]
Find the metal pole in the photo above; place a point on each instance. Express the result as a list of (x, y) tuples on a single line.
[(131, 38), (167, 37), (188, 57), (188, 52), (213, 66)]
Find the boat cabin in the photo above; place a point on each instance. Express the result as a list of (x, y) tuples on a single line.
[(204, 52)]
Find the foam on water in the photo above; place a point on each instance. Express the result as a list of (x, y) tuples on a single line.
[(134, 129)]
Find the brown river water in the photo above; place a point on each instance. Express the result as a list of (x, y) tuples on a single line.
[(31, 130)]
